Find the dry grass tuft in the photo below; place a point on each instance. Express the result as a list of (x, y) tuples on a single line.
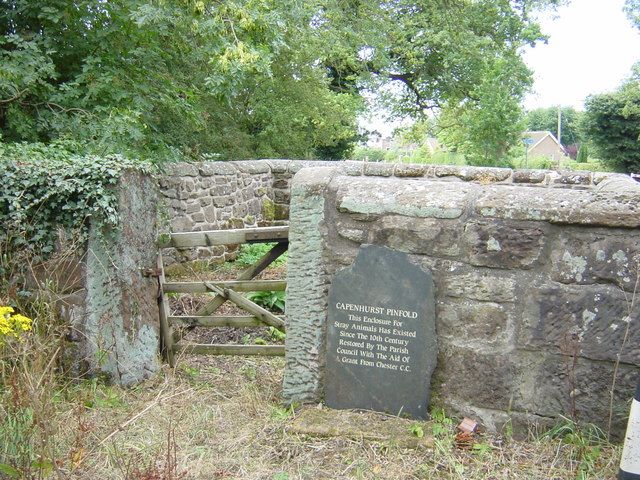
[(222, 418)]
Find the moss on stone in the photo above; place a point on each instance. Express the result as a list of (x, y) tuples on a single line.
[(281, 212), (268, 209)]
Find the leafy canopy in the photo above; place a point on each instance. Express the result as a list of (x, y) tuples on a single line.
[(256, 78), (612, 123), (155, 77), (460, 58)]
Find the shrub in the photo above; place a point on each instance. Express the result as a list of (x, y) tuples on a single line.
[(269, 299), (250, 253), (49, 187), (583, 154)]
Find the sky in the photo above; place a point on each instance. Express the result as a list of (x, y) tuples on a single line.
[(591, 49)]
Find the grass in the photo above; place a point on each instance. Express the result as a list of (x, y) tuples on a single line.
[(222, 417)]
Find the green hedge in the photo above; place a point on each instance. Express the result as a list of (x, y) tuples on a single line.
[(47, 187)]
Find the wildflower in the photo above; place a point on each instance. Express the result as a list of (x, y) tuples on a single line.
[(12, 324)]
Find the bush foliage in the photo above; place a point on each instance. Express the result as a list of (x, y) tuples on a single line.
[(50, 187), (612, 122)]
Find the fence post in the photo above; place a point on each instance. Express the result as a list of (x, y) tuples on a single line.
[(630, 462)]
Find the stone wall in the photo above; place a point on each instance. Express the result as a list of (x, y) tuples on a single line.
[(534, 271), (535, 274), (110, 292), (222, 195), (219, 195)]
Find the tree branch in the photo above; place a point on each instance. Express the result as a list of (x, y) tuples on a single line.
[(15, 97), (50, 106), (408, 80)]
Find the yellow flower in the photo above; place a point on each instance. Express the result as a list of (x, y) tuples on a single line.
[(22, 322), (12, 324)]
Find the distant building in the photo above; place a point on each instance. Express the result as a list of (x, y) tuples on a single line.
[(433, 145), (383, 143), (544, 144)]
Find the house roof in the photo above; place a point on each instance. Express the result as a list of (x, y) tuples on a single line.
[(538, 136)]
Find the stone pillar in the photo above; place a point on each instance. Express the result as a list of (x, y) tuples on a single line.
[(114, 316)]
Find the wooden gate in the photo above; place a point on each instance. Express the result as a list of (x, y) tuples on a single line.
[(171, 344)]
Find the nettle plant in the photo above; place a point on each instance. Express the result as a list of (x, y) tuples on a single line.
[(46, 188)]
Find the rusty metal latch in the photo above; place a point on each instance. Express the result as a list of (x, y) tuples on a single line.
[(151, 272)]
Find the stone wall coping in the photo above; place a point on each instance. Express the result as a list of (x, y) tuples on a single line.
[(484, 175), (613, 203)]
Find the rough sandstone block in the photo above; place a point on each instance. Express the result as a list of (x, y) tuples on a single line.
[(470, 322), (483, 379), (253, 166), (483, 286), (278, 166), (529, 176), (208, 169), (415, 198), (587, 258), (198, 217), (581, 388), (588, 321), (581, 207), (378, 169), (409, 170), (474, 174), (352, 168), (418, 235), (573, 178), (500, 245)]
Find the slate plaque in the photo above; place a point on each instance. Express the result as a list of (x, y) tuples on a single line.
[(381, 340)]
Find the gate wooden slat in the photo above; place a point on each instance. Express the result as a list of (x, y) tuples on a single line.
[(216, 321), (237, 285), (248, 274), (215, 349), (264, 315), (223, 237), (166, 338)]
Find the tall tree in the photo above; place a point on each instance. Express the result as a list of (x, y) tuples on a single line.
[(458, 57), (547, 119), (165, 75), (484, 130), (612, 122), (252, 77)]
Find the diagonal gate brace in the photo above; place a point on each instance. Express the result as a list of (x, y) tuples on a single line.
[(254, 270), (256, 310)]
